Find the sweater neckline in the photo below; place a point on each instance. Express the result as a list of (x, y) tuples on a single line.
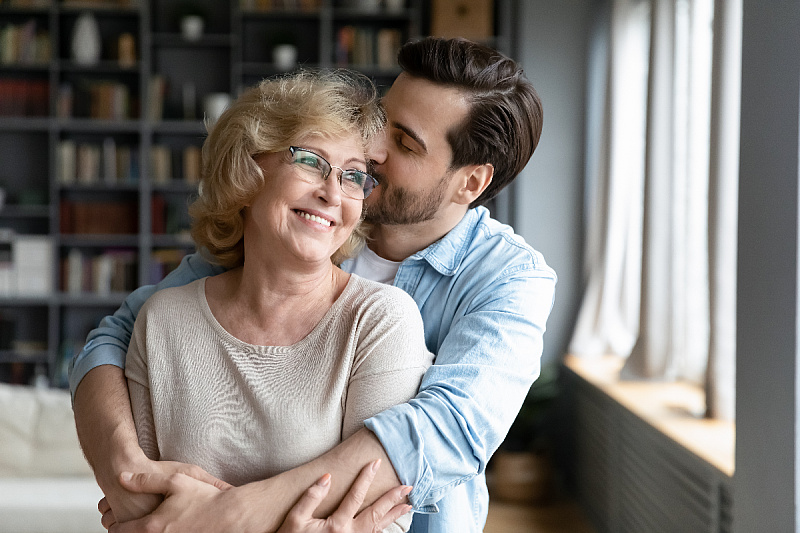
[(336, 309)]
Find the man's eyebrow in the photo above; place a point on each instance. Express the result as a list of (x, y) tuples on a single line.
[(411, 133)]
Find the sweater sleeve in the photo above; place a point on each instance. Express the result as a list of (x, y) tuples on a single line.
[(137, 372), (391, 358)]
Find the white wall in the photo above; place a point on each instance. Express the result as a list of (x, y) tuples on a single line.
[(552, 48)]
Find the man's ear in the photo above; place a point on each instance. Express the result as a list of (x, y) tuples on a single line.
[(474, 181)]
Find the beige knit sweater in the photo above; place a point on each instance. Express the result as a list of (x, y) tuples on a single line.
[(246, 412)]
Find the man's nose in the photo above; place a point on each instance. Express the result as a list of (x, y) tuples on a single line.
[(376, 151)]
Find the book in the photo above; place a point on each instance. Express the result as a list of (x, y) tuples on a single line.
[(157, 87), (67, 157), (191, 164), (33, 264), (158, 219), (72, 277), (388, 44), (24, 44), (64, 101), (23, 97), (125, 155), (363, 54), (99, 218), (160, 163), (110, 170), (344, 45), (163, 261), (111, 270), (88, 164)]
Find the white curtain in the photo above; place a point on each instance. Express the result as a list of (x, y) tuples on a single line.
[(661, 249)]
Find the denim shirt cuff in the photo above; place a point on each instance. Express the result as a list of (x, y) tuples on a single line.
[(405, 455), (103, 354)]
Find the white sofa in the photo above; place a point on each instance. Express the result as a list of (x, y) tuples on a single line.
[(45, 483)]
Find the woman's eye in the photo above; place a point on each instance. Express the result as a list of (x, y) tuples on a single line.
[(309, 161)]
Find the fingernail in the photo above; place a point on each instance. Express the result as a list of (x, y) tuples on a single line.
[(408, 509), (376, 465), (126, 476), (324, 481), (406, 490)]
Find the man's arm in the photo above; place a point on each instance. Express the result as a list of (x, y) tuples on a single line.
[(108, 438), (487, 360), (100, 395)]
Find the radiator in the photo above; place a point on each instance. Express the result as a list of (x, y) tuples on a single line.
[(630, 477)]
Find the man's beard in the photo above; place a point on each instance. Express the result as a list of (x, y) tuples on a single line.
[(398, 206)]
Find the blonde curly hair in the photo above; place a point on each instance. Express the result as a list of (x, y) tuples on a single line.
[(270, 117)]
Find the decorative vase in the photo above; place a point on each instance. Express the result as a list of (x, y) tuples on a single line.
[(214, 104), (285, 56), (192, 27), (86, 41)]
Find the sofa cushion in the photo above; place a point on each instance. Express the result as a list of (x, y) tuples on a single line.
[(49, 505), (37, 433)]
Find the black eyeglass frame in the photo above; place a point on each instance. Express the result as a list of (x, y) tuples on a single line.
[(369, 183)]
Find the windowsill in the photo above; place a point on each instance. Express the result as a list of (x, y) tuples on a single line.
[(675, 409)]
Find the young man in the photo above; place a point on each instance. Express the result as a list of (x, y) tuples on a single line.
[(462, 123)]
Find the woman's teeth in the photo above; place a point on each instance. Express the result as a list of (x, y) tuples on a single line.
[(314, 218)]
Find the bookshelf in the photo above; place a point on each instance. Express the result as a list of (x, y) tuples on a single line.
[(100, 156)]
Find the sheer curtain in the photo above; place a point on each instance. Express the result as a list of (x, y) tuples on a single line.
[(661, 248)]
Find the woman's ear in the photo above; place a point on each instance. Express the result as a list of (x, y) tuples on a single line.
[(475, 180)]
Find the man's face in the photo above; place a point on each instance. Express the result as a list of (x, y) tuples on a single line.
[(413, 165)]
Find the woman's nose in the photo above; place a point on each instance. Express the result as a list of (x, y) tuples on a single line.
[(330, 190)]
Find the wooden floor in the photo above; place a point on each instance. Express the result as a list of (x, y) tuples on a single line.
[(562, 516)]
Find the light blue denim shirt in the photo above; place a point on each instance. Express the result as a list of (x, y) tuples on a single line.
[(485, 297)]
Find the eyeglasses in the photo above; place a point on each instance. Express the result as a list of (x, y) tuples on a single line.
[(354, 183)]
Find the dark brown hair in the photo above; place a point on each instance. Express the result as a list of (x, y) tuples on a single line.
[(504, 122)]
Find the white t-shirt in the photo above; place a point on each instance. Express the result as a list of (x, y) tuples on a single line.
[(370, 265)]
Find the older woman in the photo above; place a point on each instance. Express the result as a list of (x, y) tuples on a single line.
[(278, 359)]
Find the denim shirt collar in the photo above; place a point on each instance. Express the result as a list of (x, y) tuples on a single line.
[(447, 254)]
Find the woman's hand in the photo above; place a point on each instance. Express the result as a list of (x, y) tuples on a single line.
[(188, 505), (128, 505), (347, 519)]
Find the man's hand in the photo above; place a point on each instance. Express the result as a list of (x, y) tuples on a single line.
[(373, 519), (133, 505), (189, 504)]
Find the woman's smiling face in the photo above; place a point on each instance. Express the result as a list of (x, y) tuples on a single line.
[(298, 217)]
